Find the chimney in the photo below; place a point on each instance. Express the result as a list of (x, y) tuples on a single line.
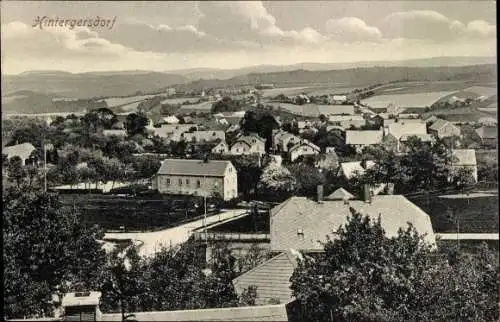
[(81, 306), (367, 197), (319, 190)]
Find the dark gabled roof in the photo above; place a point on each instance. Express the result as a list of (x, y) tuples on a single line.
[(487, 132), (212, 168), (272, 279)]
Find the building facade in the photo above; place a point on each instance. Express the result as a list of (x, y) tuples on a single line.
[(197, 178)]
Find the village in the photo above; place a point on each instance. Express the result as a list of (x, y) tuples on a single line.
[(256, 175), (250, 161)]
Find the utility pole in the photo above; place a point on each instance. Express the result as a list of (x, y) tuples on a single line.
[(45, 165)]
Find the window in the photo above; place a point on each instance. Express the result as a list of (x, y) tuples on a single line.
[(168, 182), (198, 183), (180, 182), (187, 181), (213, 134)]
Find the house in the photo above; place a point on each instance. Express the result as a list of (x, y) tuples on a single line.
[(302, 149), (173, 131), (488, 134), (172, 119), (443, 129), (119, 133), (338, 99), (400, 129), (347, 121), (251, 144), (361, 139), (464, 158), (203, 136), (396, 134), (349, 170), (220, 148), (300, 225), (23, 150), (278, 269), (283, 141), (197, 177)]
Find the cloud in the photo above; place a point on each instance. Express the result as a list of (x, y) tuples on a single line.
[(250, 21), (432, 25), (351, 29), (481, 28)]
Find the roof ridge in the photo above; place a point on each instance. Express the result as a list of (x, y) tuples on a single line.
[(284, 253)]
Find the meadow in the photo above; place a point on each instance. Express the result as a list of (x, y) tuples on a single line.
[(413, 100), (200, 107), (135, 213), (119, 101), (180, 100), (307, 110)]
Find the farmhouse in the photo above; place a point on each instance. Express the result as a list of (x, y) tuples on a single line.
[(204, 136), (337, 99), (252, 144), (23, 151), (172, 119), (283, 140), (488, 134), (221, 148), (443, 129), (347, 121), (300, 225), (361, 139), (173, 131), (197, 177), (400, 129), (464, 158), (353, 169), (302, 149)]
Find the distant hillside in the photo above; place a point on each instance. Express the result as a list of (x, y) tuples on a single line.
[(214, 73), (351, 77), (88, 85)]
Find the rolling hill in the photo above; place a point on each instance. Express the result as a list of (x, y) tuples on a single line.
[(356, 77), (88, 85)]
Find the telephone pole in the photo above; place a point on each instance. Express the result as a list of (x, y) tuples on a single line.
[(44, 165)]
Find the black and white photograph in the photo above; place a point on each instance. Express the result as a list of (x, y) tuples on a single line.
[(320, 161)]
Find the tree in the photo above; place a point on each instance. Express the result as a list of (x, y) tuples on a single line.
[(307, 178), (47, 250), (365, 276), (218, 285), (136, 124), (463, 179), (276, 182)]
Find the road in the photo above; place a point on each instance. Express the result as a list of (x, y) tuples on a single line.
[(153, 241), (467, 236)]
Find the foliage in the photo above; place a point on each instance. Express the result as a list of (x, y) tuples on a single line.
[(276, 182), (307, 178), (227, 104), (248, 296), (46, 252), (136, 124), (365, 276), (463, 179)]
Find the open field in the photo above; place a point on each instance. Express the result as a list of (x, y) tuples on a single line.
[(180, 100), (200, 107), (476, 215), (437, 86), (119, 101), (312, 90), (413, 100), (307, 110), (111, 212)]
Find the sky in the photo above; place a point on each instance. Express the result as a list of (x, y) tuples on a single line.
[(163, 36)]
